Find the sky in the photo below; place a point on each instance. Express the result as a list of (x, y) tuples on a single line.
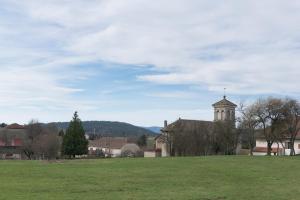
[(142, 61)]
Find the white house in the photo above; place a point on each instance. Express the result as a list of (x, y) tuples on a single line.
[(283, 148), (110, 146)]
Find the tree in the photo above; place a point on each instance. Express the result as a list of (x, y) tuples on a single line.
[(262, 117), (61, 133), (94, 136), (248, 125), (42, 142), (142, 141), (292, 121), (2, 125), (269, 114), (131, 150), (190, 138), (49, 146), (225, 138), (99, 153), (34, 129), (74, 141), (275, 110)]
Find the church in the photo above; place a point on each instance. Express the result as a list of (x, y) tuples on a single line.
[(195, 137)]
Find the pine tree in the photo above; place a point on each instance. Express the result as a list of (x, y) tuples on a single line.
[(61, 133), (142, 141), (74, 141)]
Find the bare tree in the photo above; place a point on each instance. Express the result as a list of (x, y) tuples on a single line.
[(262, 117), (275, 109), (48, 146), (248, 124), (42, 141), (292, 121), (269, 115), (33, 130)]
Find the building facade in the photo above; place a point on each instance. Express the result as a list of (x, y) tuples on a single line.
[(282, 148), (224, 110), (12, 138), (110, 146)]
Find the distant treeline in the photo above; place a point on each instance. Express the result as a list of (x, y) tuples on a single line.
[(108, 128)]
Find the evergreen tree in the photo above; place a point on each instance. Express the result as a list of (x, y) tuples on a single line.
[(74, 141), (142, 141), (2, 125), (61, 133)]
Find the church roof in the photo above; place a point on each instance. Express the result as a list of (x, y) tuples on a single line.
[(188, 124), (224, 102)]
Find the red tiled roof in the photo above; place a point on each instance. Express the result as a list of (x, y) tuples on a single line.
[(15, 126)]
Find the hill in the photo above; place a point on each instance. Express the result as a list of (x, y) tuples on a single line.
[(154, 129), (108, 128), (194, 178)]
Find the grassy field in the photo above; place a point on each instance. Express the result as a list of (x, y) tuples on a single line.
[(207, 178)]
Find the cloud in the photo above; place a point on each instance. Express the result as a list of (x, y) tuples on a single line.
[(249, 47), (172, 94)]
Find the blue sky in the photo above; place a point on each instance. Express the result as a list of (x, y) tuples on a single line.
[(142, 61)]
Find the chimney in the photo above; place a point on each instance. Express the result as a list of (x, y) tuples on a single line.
[(165, 124)]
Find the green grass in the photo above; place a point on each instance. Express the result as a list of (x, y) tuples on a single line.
[(202, 178)]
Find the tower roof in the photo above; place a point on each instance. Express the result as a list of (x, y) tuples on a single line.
[(224, 102)]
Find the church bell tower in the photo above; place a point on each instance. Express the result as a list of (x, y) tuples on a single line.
[(224, 110)]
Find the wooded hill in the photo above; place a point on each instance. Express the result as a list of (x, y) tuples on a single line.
[(108, 128)]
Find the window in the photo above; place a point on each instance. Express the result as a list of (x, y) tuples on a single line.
[(222, 115), (219, 115), (298, 146), (288, 145)]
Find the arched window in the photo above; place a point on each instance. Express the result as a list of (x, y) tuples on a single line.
[(222, 115), (216, 114), (228, 114), (219, 115), (232, 115)]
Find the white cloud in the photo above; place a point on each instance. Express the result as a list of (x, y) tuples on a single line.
[(172, 94), (246, 46), (250, 47)]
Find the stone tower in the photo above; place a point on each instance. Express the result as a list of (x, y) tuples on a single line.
[(224, 110)]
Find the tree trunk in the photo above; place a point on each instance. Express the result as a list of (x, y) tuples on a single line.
[(269, 150), (292, 150), (251, 151), (251, 147), (277, 149)]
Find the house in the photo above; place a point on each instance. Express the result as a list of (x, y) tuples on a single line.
[(283, 148), (110, 146), (12, 138), (224, 110), (161, 144)]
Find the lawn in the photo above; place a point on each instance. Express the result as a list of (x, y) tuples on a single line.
[(207, 178)]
